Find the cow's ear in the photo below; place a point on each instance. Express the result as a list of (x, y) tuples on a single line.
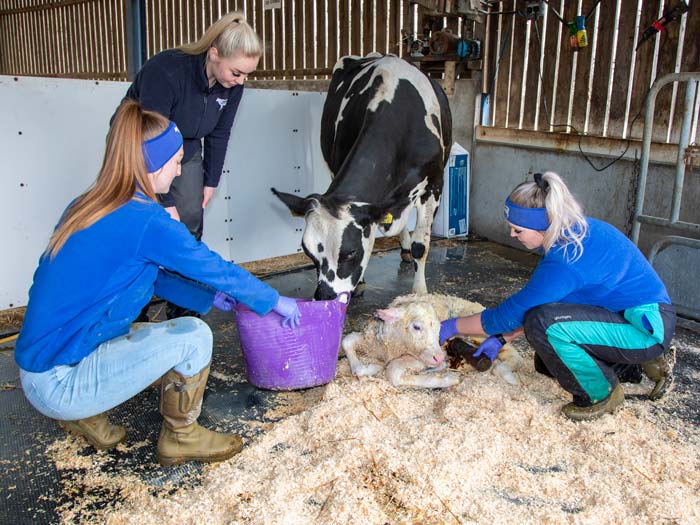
[(379, 213), (297, 205), (388, 315)]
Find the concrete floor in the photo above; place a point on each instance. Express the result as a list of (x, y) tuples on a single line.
[(31, 487)]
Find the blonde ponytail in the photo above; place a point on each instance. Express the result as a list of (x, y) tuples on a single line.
[(230, 35), (567, 223)]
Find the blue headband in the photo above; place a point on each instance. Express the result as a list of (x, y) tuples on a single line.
[(159, 150), (530, 218)]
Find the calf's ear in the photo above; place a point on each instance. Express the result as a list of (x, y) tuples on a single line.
[(297, 205), (388, 315)]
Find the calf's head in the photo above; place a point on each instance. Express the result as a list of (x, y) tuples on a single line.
[(338, 238), (416, 328)]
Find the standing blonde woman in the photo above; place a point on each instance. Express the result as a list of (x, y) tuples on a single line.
[(199, 87), (78, 353), (593, 307)]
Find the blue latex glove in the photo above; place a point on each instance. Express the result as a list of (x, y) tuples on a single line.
[(448, 329), (490, 347), (223, 302), (289, 310)]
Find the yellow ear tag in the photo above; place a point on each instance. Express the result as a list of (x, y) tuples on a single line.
[(388, 219)]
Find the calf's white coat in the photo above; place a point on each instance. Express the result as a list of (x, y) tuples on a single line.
[(404, 340)]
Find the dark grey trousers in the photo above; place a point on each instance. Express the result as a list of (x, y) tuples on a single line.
[(187, 191)]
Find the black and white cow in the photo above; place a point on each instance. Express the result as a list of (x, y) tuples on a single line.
[(386, 133)]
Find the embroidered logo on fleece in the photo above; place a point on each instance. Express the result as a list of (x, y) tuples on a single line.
[(222, 103)]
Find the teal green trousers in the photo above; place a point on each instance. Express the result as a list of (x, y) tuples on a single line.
[(579, 344)]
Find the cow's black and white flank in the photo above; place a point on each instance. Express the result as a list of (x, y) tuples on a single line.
[(386, 134)]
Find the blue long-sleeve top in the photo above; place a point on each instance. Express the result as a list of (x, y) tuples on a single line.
[(612, 273), (175, 85), (99, 281)]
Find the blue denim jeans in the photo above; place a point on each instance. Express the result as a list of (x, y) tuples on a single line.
[(120, 368)]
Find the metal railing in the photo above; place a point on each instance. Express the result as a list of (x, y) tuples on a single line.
[(673, 222)]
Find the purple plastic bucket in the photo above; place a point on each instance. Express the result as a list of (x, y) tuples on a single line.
[(279, 358)]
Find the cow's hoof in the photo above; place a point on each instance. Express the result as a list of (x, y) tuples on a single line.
[(406, 256), (359, 290)]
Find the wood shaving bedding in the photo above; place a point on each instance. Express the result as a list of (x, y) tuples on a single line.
[(482, 451)]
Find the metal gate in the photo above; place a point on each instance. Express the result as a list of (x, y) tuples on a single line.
[(681, 252)]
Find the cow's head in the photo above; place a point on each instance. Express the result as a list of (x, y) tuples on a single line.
[(338, 238)]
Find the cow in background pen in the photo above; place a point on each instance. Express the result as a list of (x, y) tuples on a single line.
[(386, 133)]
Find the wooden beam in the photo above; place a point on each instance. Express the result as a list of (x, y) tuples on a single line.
[(428, 4), (448, 84)]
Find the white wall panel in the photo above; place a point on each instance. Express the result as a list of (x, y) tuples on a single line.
[(274, 143), (52, 135)]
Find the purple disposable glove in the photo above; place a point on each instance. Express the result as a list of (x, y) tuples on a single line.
[(448, 329), (223, 302), (490, 347), (289, 310)]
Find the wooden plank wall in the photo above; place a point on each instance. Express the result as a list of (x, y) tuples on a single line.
[(85, 38), (68, 38), (541, 84), (537, 82)]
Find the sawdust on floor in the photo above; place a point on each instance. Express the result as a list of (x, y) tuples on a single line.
[(480, 452)]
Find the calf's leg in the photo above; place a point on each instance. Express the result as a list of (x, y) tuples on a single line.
[(409, 371), (357, 367)]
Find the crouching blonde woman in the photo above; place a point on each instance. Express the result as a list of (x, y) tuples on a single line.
[(114, 247), (593, 306)]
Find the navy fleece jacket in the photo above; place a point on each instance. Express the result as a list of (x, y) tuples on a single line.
[(175, 85), (99, 281), (612, 273)]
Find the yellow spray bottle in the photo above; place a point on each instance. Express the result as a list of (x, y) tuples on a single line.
[(581, 35)]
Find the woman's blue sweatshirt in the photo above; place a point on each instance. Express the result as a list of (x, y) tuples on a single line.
[(99, 281), (612, 273)]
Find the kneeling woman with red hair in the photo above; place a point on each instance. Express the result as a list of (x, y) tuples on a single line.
[(114, 247)]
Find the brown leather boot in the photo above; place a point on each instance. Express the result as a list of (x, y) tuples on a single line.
[(606, 406), (97, 430), (181, 438)]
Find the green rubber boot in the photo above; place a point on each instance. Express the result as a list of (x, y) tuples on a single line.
[(660, 371), (97, 430), (606, 406)]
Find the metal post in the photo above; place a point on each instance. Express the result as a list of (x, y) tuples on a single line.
[(682, 145), (134, 37), (646, 143)]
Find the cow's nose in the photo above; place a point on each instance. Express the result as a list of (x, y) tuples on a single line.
[(324, 292)]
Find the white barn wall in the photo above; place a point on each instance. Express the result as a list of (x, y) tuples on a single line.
[(52, 139)]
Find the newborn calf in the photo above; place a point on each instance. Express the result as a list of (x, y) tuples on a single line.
[(405, 340)]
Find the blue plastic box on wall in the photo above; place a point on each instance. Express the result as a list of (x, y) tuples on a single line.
[(452, 218)]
